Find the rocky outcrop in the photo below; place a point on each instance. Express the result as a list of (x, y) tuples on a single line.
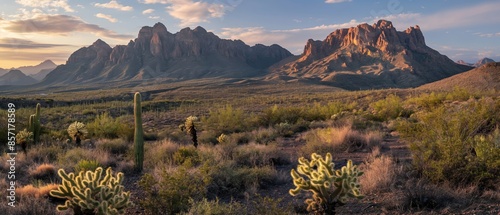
[(372, 56), (187, 54), (483, 61)]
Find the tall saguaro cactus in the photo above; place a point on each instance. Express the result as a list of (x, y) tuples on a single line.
[(138, 135), (36, 125)]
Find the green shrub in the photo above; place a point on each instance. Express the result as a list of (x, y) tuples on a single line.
[(225, 120), (443, 140), (186, 156), (389, 108), (171, 192), (205, 207), (116, 146), (104, 126), (86, 165), (264, 135)]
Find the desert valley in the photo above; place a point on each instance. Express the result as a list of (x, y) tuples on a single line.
[(369, 120)]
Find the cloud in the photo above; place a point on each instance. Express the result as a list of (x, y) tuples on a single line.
[(488, 34), (58, 24), (148, 11), (349, 24), (194, 12), (481, 14), (253, 35), (107, 17), (46, 4), (114, 5), (336, 1), (154, 17), (17, 43), (154, 1)]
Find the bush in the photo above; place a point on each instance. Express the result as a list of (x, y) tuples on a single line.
[(379, 174), (86, 165), (389, 108), (225, 120), (445, 141), (116, 146), (205, 207), (44, 171), (186, 156), (171, 192), (105, 126)]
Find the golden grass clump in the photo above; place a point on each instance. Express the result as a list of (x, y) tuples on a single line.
[(44, 171), (379, 173)]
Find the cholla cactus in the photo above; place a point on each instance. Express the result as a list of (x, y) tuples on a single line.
[(23, 138), (330, 187), (77, 131), (222, 138), (92, 193), (189, 125)]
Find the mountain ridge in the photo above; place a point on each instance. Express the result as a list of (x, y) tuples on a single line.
[(16, 77), (371, 57), (157, 53)]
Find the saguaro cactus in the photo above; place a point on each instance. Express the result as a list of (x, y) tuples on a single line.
[(31, 123), (330, 187), (36, 124), (92, 193), (139, 134)]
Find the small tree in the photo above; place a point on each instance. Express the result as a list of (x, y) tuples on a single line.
[(23, 138), (77, 131)]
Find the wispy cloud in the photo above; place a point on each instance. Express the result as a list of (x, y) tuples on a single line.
[(336, 1), (46, 4), (17, 43), (191, 12), (106, 17), (154, 17), (481, 14), (58, 24), (322, 27), (114, 5), (488, 34), (148, 11)]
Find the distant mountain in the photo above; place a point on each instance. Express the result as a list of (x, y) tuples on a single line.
[(370, 57), (485, 77), (461, 62), (157, 53), (16, 77), (32, 70), (41, 75), (483, 61), (3, 71)]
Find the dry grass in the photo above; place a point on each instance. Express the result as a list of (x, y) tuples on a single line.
[(159, 153), (340, 139), (37, 192), (44, 171), (379, 174)]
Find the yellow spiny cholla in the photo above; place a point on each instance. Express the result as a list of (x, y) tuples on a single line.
[(91, 193), (330, 187)]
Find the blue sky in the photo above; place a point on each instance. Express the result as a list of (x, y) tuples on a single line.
[(34, 30)]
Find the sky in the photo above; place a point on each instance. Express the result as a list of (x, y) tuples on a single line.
[(32, 31)]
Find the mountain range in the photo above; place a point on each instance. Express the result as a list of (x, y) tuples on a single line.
[(16, 77), (361, 57), (371, 57), (157, 53), (479, 63)]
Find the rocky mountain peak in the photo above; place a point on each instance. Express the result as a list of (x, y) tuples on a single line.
[(383, 24)]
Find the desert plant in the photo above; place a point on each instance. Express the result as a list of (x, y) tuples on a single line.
[(77, 131), (23, 138), (92, 193), (330, 187), (87, 165), (190, 128), (222, 138), (139, 133)]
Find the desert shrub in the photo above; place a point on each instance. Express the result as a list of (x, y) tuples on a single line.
[(45, 154), (270, 205), (105, 126), (74, 156), (379, 173), (389, 108), (186, 156), (115, 146), (44, 171), (428, 101), (37, 192), (225, 120), (339, 139), (29, 205), (324, 112), (276, 115), (86, 165), (444, 141), (264, 135), (159, 153), (420, 195), (170, 193), (255, 155), (240, 138), (206, 207), (284, 129)]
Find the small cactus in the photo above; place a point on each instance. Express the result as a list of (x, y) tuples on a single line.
[(23, 138), (330, 187), (92, 192), (139, 133), (190, 128), (222, 138), (77, 131)]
